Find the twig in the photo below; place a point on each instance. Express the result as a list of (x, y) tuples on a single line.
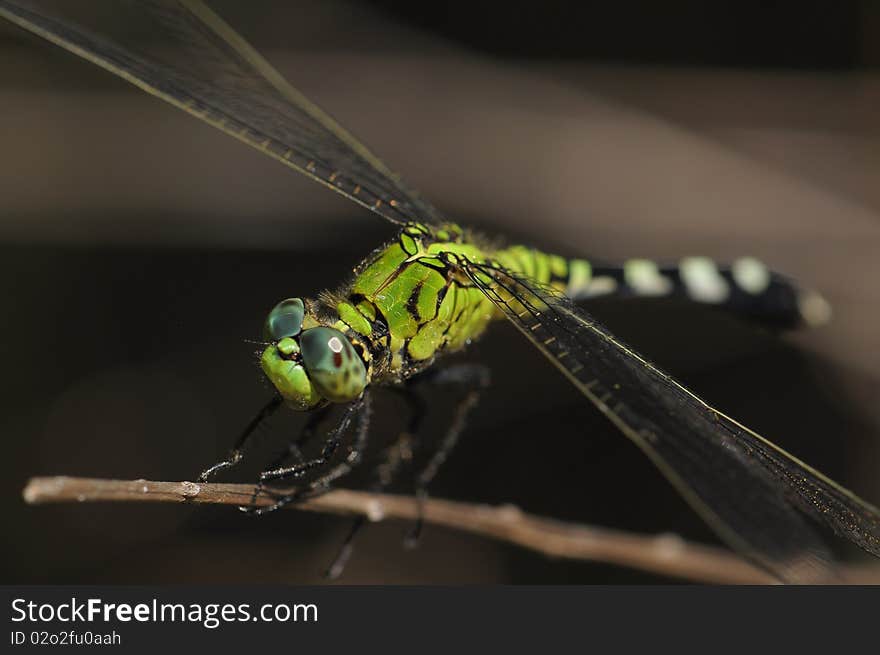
[(667, 555)]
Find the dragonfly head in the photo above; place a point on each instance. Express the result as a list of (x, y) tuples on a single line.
[(309, 363)]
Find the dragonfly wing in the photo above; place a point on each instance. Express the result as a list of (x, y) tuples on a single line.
[(743, 486), (196, 62)]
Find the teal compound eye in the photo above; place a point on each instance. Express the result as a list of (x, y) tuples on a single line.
[(335, 369), (285, 320)]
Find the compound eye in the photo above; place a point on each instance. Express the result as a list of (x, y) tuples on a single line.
[(285, 320), (334, 367)]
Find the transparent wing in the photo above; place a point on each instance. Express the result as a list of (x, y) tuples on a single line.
[(746, 488), (189, 57)]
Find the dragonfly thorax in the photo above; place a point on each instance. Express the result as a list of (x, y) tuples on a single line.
[(308, 362)]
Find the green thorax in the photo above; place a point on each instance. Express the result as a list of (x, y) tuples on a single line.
[(409, 306)]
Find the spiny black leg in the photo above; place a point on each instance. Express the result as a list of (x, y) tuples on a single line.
[(396, 454), (475, 378), (417, 406), (335, 569), (322, 484), (235, 454), (361, 407), (292, 450), (355, 451), (301, 468)]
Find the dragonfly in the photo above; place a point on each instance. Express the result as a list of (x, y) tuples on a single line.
[(436, 287)]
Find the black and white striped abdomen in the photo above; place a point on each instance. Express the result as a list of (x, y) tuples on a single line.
[(745, 287)]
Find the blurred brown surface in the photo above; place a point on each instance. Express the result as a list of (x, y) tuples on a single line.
[(587, 158)]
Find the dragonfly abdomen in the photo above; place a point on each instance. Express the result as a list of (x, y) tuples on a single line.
[(746, 287)]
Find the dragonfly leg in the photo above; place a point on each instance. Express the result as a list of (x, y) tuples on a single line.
[(471, 376), (399, 453), (293, 449), (235, 455), (345, 550), (474, 378), (361, 408), (355, 451)]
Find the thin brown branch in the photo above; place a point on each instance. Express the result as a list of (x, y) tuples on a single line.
[(666, 555)]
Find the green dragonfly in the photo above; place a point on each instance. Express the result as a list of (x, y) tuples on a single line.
[(436, 287)]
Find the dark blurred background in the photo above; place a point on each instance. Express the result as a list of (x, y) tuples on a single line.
[(139, 249)]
